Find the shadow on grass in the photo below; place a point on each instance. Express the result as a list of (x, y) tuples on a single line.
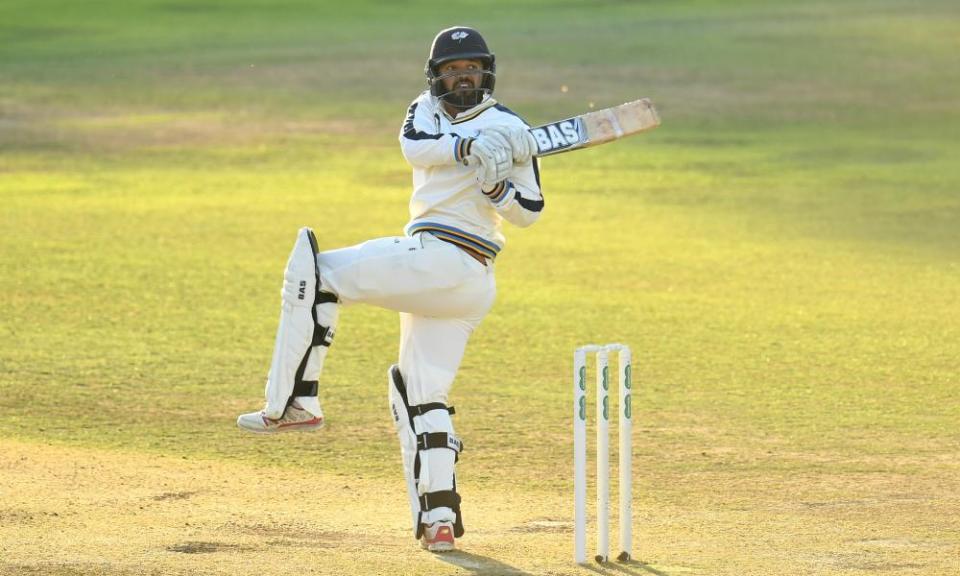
[(485, 566), (632, 567), (480, 565)]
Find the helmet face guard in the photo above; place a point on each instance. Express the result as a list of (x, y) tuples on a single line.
[(462, 98), (460, 43)]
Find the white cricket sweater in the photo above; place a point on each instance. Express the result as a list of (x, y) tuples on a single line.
[(447, 199)]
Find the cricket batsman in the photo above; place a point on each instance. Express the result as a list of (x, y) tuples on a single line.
[(473, 167)]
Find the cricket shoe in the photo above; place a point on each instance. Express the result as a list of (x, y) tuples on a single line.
[(294, 418), (438, 537)]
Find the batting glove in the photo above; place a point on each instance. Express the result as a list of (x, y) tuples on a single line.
[(493, 153), (522, 142)]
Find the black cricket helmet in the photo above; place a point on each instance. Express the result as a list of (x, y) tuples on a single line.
[(460, 43)]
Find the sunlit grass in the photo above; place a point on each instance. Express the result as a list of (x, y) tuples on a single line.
[(782, 254)]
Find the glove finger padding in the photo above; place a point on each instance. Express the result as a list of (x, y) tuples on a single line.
[(522, 143), (493, 169), (501, 141), (494, 153), (485, 150)]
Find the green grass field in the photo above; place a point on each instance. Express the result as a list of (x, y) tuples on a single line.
[(782, 254)]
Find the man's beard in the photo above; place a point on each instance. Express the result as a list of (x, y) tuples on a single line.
[(464, 97)]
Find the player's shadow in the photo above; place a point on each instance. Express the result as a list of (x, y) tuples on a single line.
[(484, 566), (480, 565), (632, 567)]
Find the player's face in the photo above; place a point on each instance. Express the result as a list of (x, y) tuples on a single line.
[(463, 74)]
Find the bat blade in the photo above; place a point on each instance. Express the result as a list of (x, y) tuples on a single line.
[(594, 128)]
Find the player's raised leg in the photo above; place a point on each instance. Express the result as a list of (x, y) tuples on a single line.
[(308, 317)]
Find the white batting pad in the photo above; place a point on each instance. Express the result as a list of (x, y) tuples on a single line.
[(295, 332), (436, 465)]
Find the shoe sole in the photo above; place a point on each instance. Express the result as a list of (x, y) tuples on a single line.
[(309, 425), (315, 424), (441, 547)]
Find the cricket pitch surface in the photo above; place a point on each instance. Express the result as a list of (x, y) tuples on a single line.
[(71, 511)]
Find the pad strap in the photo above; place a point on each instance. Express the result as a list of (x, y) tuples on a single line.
[(429, 440), (421, 409), (443, 498), (323, 297), (322, 336), (305, 388), (447, 498)]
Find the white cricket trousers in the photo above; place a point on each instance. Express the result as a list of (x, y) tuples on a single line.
[(441, 293)]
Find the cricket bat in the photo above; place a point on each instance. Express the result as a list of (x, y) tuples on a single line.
[(595, 128)]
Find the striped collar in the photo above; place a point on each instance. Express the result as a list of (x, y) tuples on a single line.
[(472, 113)]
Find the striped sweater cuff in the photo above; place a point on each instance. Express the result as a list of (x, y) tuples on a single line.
[(498, 191), (461, 149)]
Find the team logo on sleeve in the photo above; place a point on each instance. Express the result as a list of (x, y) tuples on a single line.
[(559, 135)]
